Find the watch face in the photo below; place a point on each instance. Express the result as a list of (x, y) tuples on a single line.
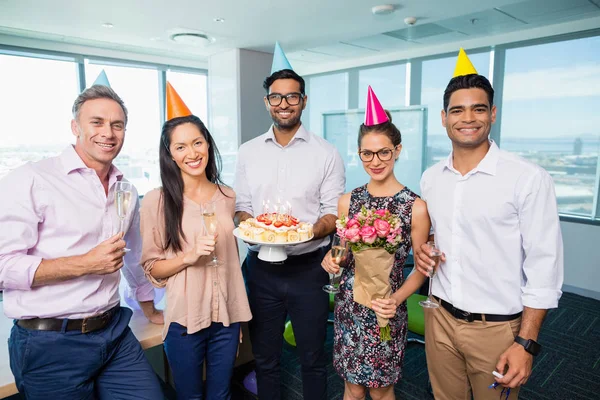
[(533, 347)]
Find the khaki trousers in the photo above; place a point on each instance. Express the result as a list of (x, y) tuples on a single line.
[(461, 355)]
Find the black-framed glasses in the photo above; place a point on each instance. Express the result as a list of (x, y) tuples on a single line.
[(293, 99), (384, 154)]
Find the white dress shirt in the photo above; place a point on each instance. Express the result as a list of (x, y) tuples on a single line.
[(308, 173), (54, 208), (499, 228)]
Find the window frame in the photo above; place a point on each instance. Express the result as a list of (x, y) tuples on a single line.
[(497, 54)]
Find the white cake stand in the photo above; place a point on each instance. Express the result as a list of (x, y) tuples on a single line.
[(270, 252)]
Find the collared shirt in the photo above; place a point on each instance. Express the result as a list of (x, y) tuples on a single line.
[(308, 173), (199, 294), (55, 208), (499, 228)]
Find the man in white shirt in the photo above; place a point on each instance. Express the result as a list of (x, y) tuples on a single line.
[(494, 215), (301, 168)]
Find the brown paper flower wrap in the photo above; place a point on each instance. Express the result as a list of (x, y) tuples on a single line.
[(374, 236), (372, 268)]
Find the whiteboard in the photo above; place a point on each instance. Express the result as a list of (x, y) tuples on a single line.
[(341, 129)]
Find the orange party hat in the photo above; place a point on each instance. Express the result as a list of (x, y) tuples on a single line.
[(175, 105)]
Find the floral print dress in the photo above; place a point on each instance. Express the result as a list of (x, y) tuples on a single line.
[(359, 356)]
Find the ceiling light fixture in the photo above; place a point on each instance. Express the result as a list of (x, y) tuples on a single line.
[(383, 9), (410, 21), (192, 38), (107, 25)]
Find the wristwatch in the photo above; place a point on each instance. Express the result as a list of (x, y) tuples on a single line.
[(531, 346)]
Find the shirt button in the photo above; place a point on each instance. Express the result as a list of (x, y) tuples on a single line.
[(215, 283)]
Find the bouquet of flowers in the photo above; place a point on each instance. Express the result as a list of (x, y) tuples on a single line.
[(373, 236)]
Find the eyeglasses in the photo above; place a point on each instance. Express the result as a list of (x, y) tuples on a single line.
[(293, 99), (384, 154)]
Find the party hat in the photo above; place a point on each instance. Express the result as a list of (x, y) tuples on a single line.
[(374, 113), (175, 105), (463, 65), (102, 79), (280, 61)]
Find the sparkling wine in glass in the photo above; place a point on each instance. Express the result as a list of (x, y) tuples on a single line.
[(339, 250), (435, 255), (211, 225), (124, 201)]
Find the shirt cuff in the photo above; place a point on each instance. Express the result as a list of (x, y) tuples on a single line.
[(243, 209), (144, 292), (19, 275), (542, 299), (327, 211)]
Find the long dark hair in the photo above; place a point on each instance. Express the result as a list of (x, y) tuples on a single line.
[(172, 182)]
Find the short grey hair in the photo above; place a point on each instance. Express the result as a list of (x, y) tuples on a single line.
[(97, 92)]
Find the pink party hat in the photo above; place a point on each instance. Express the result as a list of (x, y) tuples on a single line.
[(374, 113)]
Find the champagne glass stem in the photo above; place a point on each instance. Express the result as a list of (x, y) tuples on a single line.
[(430, 284)]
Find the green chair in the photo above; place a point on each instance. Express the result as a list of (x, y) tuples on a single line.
[(288, 332), (416, 316), (416, 319)]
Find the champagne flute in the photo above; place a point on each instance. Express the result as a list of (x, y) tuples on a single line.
[(123, 201), (435, 255), (211, 226), (339, 250)]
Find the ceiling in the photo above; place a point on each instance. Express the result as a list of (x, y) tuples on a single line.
[(312, 32)]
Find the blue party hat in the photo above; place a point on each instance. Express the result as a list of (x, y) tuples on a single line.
[(102, 79), (280, 61)]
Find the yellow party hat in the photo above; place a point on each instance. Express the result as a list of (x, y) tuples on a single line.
[(463, 65)]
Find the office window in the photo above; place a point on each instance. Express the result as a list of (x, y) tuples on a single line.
[(435, 77), (138, 87), (36, 101), (388, 83), (550, 115), (326, 93)]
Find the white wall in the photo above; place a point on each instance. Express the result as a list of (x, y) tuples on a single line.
[(582, 261)]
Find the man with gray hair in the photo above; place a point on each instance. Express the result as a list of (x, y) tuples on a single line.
[(60, 256)]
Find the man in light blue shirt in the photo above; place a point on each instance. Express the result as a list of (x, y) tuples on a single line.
[(296, 166)]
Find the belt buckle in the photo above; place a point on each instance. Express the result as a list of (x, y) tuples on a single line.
[(84, 327), (464, 315)]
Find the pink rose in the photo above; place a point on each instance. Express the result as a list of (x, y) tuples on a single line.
[(382, 228), (352, 223), (368, 234), (381, 213), (353, 234)]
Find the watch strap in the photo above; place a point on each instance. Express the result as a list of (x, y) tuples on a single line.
[(531, 346)]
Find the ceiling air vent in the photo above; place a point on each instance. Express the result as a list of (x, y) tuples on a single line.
[(192, 39)]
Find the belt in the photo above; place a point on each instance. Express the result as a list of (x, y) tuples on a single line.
[(84, 325), (470, 317)]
